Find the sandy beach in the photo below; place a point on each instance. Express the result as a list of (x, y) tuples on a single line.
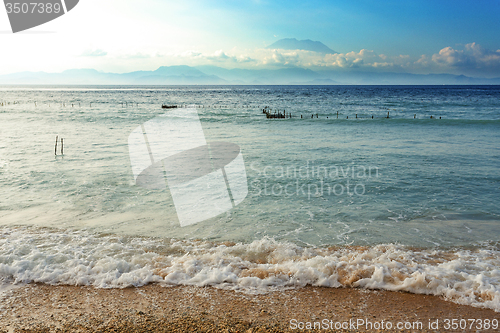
[(155, 308)]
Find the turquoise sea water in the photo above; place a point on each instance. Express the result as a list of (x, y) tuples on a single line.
[(323, 192)]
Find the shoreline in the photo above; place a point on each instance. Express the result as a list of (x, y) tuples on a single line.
[(47, 308)]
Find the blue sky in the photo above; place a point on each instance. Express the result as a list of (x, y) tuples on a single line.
[(440, 36)]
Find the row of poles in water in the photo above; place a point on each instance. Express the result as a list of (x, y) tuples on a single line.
[(131, 104), (284, 115), (123, 104), (270, 113)]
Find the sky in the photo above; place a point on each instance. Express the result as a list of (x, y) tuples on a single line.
[(437, 36)]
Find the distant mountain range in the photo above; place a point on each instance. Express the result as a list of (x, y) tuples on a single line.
[(294, 44), (213, 75)]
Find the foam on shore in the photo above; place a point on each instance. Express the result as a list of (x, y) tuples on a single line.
[(54, 256)]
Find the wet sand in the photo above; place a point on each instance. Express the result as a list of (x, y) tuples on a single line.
[(154, 308)]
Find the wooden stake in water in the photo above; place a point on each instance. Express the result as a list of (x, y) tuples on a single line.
[(62, 146), (55, 149)]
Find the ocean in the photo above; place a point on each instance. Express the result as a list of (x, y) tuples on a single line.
[(377, 187)]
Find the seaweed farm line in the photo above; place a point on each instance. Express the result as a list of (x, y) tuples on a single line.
[(271, 113)]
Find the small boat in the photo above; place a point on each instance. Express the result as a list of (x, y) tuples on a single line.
[(169, 106)]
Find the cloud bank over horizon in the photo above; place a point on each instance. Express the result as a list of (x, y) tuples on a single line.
[(469, 59)]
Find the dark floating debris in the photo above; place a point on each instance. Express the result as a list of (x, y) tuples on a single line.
[(276, 115), (163, 106)]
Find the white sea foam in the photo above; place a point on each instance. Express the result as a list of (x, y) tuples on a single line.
[(466, 276)]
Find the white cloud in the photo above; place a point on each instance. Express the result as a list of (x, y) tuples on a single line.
[(219, 56), (471, 57), (94, 53), (137, 55), (351, 59), (367, 59)]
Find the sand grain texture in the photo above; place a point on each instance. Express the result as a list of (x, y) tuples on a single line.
[(154, 308)]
